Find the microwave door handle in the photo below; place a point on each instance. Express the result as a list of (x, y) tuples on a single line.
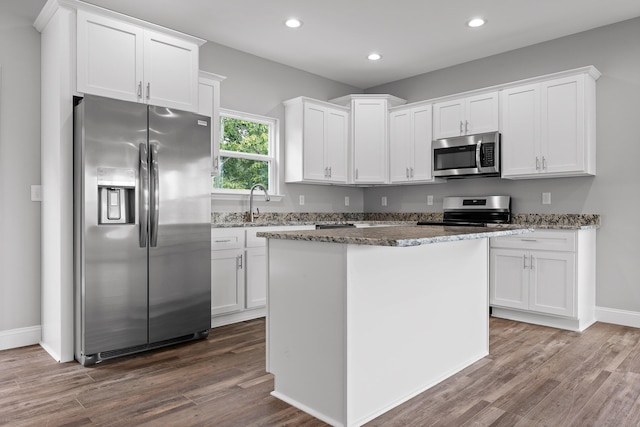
[(478, 155)]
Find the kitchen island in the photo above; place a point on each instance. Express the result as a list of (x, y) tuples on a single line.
[(361, 320)]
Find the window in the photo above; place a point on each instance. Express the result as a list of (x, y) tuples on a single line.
[(247, 153)]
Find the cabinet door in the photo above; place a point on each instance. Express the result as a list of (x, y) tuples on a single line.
[(336, 145), (448, 119), (552, 285), (481, 114), (509, 278), (209, 105), (109, 57), (170, 71), (421, 143), (520, 142), (227, 281), (370, 141), (563, 130), (315, 119), (256, 277), (399, 145)]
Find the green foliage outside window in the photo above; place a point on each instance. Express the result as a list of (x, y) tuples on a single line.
[(242, 136)]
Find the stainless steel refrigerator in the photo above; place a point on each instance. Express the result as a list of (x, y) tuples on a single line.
[(142, 227)]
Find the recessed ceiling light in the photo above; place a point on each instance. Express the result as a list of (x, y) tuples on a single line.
[(374, 57), (476, 22), (293, 23)]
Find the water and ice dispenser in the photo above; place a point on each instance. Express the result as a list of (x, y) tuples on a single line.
[(116, 196)]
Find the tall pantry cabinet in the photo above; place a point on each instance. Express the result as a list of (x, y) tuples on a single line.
[(70, 68)]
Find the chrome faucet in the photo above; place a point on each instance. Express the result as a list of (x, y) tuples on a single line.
[(266, 199)]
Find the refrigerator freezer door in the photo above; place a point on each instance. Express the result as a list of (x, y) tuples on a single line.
[(180, 259), (113, 289)]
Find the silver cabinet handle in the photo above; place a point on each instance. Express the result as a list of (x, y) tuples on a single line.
[(544, 163), (524, 261), (148, 90), (222, 241), (215, 163), (329, 171), (406, 172), (326, 172), (411, 171), (460, 127), (154, 196), (239, 261), (531, 261), (144, 194), (466, 127), (529, 240), (537, 163), (140, 89), (356, 173)]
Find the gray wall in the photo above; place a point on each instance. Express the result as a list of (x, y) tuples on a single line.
[(614, 193), (259, 86), (19, 167)]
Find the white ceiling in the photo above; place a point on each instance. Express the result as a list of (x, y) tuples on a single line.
[(413, 36)]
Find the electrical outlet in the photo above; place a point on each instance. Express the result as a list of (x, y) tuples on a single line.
[(546, 198), (383, 201), (430, 200), (301, 199), (36, 193), (346, 200)]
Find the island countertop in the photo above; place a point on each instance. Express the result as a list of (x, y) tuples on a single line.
[(399, 236)]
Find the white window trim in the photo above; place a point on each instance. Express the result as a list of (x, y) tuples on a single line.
[(274, 144)]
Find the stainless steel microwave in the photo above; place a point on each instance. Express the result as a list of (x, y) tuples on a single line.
[(467, 156)]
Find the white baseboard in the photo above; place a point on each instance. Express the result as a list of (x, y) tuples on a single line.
[(240, 316), (618, 317), (20, 337)]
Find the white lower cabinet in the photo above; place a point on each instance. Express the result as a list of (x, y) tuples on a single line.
[(546, 277), (239, 273)]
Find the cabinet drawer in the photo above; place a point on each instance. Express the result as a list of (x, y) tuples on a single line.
[(227, 238), (549, 240), (253, 241)]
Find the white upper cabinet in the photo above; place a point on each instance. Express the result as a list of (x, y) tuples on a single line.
[(369, 119), (209, 105), (466, 116), (369, 140), (121, 60), (316, 140), (410, 134), (548, 128)]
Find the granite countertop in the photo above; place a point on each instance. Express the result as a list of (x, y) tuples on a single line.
[(400, 236), (538, 221)]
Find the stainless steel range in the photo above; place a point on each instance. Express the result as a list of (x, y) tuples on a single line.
[(474, 211)]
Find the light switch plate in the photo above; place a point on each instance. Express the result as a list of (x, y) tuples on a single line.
[(346, 200), (430, 200), (383, 201), (546, 198), (301, 200), (36, 193)]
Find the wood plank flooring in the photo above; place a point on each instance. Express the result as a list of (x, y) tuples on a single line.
[(534, 376)]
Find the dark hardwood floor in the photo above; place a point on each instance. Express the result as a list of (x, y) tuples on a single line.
[(535, 376)]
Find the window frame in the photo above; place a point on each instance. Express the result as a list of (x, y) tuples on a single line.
[(271, 158)]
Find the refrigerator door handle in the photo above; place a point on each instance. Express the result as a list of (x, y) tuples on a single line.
[(155, 196), (144, 194)]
